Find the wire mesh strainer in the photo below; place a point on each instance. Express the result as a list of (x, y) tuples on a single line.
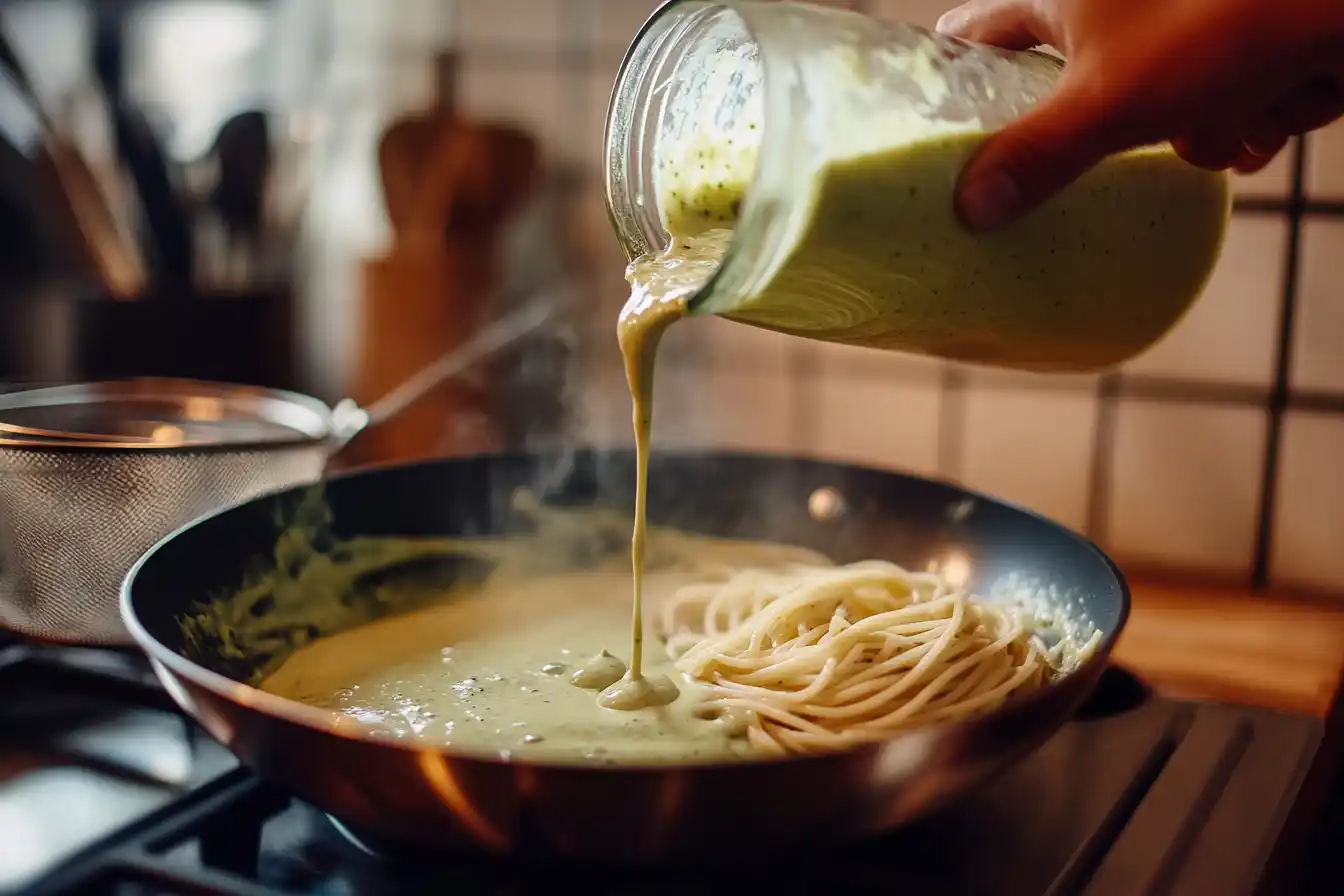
[(92, 476)]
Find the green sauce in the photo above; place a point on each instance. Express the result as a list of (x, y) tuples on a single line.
[(1090, 279)]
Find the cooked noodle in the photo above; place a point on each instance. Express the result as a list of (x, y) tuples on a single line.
[(814, 658)]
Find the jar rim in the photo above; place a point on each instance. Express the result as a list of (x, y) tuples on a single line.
[(654, 46)]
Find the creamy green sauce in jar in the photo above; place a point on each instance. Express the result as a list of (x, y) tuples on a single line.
[(875, 255)]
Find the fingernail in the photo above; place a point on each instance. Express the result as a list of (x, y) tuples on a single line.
[(951, 21), (989, 200)]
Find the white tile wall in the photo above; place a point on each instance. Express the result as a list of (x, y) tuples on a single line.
[(840, 361), (696, 405), (684, 415), (1229, 335), (873, 408), (681, 419), (617, 22), (734, 386), (742, 410), (915, 12), (600, 80), (1318, 345), (737, 347), (1272, 182), (1308, 548), (606, 407), (1325, 163), (510, 23), (1031, 447), (531, 97), (1185, 484)]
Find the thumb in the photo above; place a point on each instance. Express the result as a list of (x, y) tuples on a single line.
[(1029, 160), (1011, 24)]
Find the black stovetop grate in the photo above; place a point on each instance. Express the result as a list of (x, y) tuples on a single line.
[(223, 820), (1138, 795)]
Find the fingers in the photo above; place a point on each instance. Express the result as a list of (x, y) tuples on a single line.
[(1250, 163), (1214, 149), (1264, 137), (1251, 145), (1312, 106), (1011, 24), (1027, 161)]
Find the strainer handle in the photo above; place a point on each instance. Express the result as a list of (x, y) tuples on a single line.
[(348, 419)]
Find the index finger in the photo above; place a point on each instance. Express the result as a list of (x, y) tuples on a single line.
[(1011, 24)]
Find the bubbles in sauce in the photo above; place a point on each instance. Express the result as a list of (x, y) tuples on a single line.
[(735, 720), (529, 691)]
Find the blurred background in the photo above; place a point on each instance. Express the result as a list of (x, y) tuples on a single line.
[(327, 196)]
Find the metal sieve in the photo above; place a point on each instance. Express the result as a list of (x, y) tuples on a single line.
[(93, 475)]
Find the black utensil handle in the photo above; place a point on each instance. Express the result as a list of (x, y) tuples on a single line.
[(166, 215)]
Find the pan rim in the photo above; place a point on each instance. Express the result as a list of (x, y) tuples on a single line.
[(156, 388), (336, 724)]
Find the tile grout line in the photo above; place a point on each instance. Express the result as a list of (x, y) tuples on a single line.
[(1282, 389), (1101, 465), (802, 370), (578, 17), (951, 443)]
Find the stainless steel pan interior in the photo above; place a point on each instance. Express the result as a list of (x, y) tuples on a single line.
[(441, 799)]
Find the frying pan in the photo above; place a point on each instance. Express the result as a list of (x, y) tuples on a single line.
[(391, 791)]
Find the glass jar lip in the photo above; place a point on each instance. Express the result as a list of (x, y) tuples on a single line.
[(628, 237)]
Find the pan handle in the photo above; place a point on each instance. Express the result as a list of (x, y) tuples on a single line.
[(348, 419)]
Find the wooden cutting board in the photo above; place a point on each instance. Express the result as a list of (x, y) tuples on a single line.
[(450, 185)]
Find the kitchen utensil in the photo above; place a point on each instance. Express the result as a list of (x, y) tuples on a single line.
[(242, 156), (92, 475), (77, 197), (391, 790), (165, 215), (34, 251), (98, 235)]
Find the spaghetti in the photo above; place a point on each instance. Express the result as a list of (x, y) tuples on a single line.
[(814, 658)]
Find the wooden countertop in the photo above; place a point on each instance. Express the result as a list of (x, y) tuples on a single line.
[(1225, 644)]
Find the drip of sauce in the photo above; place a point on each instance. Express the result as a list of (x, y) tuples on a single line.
[(598, 672), (661, 286)]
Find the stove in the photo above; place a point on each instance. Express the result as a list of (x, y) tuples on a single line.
[(106, 789)]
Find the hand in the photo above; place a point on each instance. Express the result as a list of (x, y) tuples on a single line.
[(1227, 82)]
